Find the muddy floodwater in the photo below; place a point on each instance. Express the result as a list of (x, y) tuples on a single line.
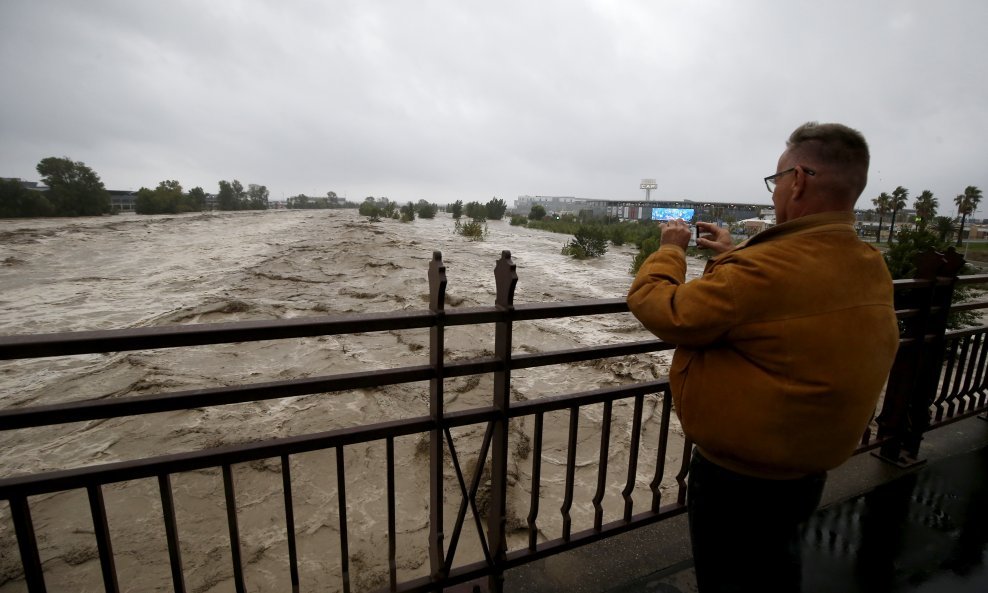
[(126, 271)]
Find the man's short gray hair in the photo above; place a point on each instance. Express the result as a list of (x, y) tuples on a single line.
[(841, 149)]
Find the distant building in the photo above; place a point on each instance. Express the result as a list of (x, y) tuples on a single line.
[(640, 210), (122, 200)]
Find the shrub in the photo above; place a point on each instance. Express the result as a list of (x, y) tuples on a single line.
[(899, 259), (646, 249), (368, 208), (589, 241), (518, 220), (537, 212), (474, 230), (408, 212)]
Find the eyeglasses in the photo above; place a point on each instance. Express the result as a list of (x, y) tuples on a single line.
[(770, 180)]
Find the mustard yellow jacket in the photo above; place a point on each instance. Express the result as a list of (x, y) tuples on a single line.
[(783, 345)]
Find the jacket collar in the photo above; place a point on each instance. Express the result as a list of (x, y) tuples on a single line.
[(823, 221)]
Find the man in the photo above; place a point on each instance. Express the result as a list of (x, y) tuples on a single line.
[(783, 346)]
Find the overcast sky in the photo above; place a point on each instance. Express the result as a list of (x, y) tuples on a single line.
[(445, 100)]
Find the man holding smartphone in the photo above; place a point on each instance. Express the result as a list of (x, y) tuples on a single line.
[(783, 347)]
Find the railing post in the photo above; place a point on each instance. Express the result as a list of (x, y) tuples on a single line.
[(437, 304), (912, 382), (505, 279)]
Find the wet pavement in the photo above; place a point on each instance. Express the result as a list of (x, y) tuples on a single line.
[(924, 532)]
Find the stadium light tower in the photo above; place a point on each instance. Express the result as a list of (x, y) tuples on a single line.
[(648, 185)]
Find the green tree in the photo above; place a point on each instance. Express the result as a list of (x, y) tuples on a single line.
[(945, 228), (926, 208), (537, 212), (16, 201), (74, 188), (495, 208), (967, 203), (456, 209), (226, 199), (239, 195), (426, 210), (334, 200), (476, 211), (883, 205), (898, 202), (257, 197), (145, 202), (167, 198), (197, 199)]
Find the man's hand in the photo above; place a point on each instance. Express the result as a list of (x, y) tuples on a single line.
[(717, 239), (676, 232)]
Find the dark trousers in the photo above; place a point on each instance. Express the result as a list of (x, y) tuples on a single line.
[(745, 530)]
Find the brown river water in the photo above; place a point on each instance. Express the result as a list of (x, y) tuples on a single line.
[(127, 271)]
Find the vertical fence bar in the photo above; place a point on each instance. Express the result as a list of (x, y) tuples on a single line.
[(684, 469), (605, 441), (20, 512), (636, 432), (286, 486), (533, 512), (171, 532), (943, 384), (946, 383), (979, 381), (574, 423), (963, 364), (505, 279), (344, 541), (437, 304), (969, 377), (980, 392), (392, 531), (231, 520), (101, 528), (660, 462)]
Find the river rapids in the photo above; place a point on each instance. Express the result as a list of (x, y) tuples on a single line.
[(59, 275)]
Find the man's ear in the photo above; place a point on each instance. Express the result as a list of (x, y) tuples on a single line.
[(798, 183)]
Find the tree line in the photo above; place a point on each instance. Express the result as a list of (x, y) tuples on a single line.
[(926, 205), (73, 190)]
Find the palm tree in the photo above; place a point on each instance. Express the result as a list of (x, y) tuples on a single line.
[(967, 203), (898, 202), (945, 227), (926, 208), (882, 204)]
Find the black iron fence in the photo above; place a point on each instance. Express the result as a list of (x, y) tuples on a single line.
[(939, 377)]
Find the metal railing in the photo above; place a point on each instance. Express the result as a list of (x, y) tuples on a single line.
[(938, 375)]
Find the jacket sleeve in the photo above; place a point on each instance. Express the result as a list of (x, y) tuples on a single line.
[(696, 313)]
